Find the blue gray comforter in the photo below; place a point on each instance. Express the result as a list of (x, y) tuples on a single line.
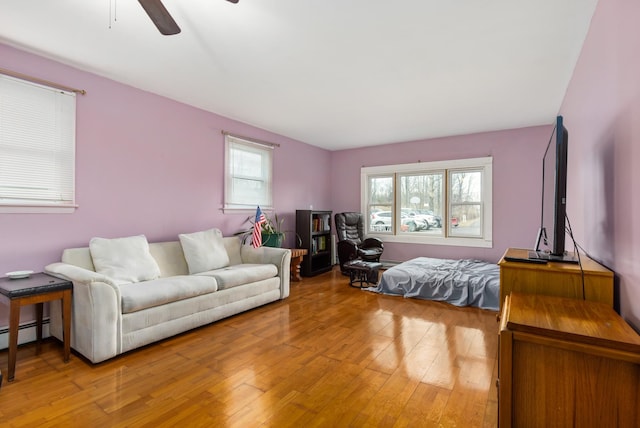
[(459, 282)]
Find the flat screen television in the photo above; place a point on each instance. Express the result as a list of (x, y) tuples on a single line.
[(550, 241)]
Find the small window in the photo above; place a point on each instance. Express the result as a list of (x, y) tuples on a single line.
[(248, 181), (37, 147)]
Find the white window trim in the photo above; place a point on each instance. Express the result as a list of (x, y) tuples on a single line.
[(486, 163), (266, 205), (65, 102)]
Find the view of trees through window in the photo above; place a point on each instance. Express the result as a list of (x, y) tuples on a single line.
[(421, 202), (381, 203), (424, 203), (466, 202)]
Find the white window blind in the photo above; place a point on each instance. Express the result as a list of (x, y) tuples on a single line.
[(248, 175), (37, 146)]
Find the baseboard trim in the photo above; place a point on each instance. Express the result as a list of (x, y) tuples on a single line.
[(26, 333), (386, 264)]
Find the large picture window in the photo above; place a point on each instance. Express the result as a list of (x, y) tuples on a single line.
[(445, 202), (37, 147), (248, 175)]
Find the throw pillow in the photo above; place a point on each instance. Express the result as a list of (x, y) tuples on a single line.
[(125, 260), (204, 250)]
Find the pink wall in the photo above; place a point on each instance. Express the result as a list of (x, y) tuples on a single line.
[(602, 113), (146, 165), (517, 171)]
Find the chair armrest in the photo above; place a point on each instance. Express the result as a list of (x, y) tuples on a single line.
[(372, 243), (347, 250), (347, 245)]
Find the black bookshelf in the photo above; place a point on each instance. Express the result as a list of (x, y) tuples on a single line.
[(314, 229)]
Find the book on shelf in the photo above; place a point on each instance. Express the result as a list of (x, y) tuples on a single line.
[(321, 223), (319, 244)]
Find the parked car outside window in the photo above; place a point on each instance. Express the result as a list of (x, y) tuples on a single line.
[(381, 221), (434, 220)]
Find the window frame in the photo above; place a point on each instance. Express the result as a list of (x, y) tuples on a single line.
[(400, 175), (391, 203), (232, 142), (46, 125), (484, 164)]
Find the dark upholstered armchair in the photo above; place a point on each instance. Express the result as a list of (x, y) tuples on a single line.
[(352, 243)]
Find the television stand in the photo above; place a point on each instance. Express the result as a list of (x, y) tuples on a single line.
[(592, 281), (567, 257)]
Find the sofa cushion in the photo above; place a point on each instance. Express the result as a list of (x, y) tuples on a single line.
[(233, 244), (170, 258), (204, 250), (160, 291), (232, 276), (124, 260)]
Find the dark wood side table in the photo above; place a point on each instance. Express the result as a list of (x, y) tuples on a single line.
[(35, 290)]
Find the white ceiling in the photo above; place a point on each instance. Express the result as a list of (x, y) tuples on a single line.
[(335, 74)]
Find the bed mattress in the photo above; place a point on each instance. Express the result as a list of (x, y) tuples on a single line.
[(460, 282)]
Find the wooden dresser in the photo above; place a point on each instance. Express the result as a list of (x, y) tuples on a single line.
[(555, 279), (566, 363)]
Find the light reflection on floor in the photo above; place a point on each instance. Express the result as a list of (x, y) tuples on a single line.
[(434, 352)]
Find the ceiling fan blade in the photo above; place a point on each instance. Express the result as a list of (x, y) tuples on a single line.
[(160, 16), (233, 1)]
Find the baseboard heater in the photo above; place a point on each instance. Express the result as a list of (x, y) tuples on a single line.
[(26, 333)]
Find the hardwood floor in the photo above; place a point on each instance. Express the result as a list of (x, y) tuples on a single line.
[(328, 356)]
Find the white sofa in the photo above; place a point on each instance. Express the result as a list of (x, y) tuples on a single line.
[(111, 316)]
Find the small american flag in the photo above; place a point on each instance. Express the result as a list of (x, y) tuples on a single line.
[(256, 241)]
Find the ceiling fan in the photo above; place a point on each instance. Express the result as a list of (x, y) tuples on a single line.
[(161, 17)]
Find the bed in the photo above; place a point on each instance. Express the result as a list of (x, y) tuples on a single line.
[(459, 282)]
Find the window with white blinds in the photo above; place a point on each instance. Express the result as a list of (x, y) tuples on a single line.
[(37, 147), (248, 166)]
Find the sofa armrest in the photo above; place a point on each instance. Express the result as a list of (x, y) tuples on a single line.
[(96, 312), (76, 273), (281, 257)]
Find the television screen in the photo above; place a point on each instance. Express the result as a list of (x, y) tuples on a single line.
[(550, 242)]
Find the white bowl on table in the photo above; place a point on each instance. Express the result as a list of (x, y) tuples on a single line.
[(19, 274)]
